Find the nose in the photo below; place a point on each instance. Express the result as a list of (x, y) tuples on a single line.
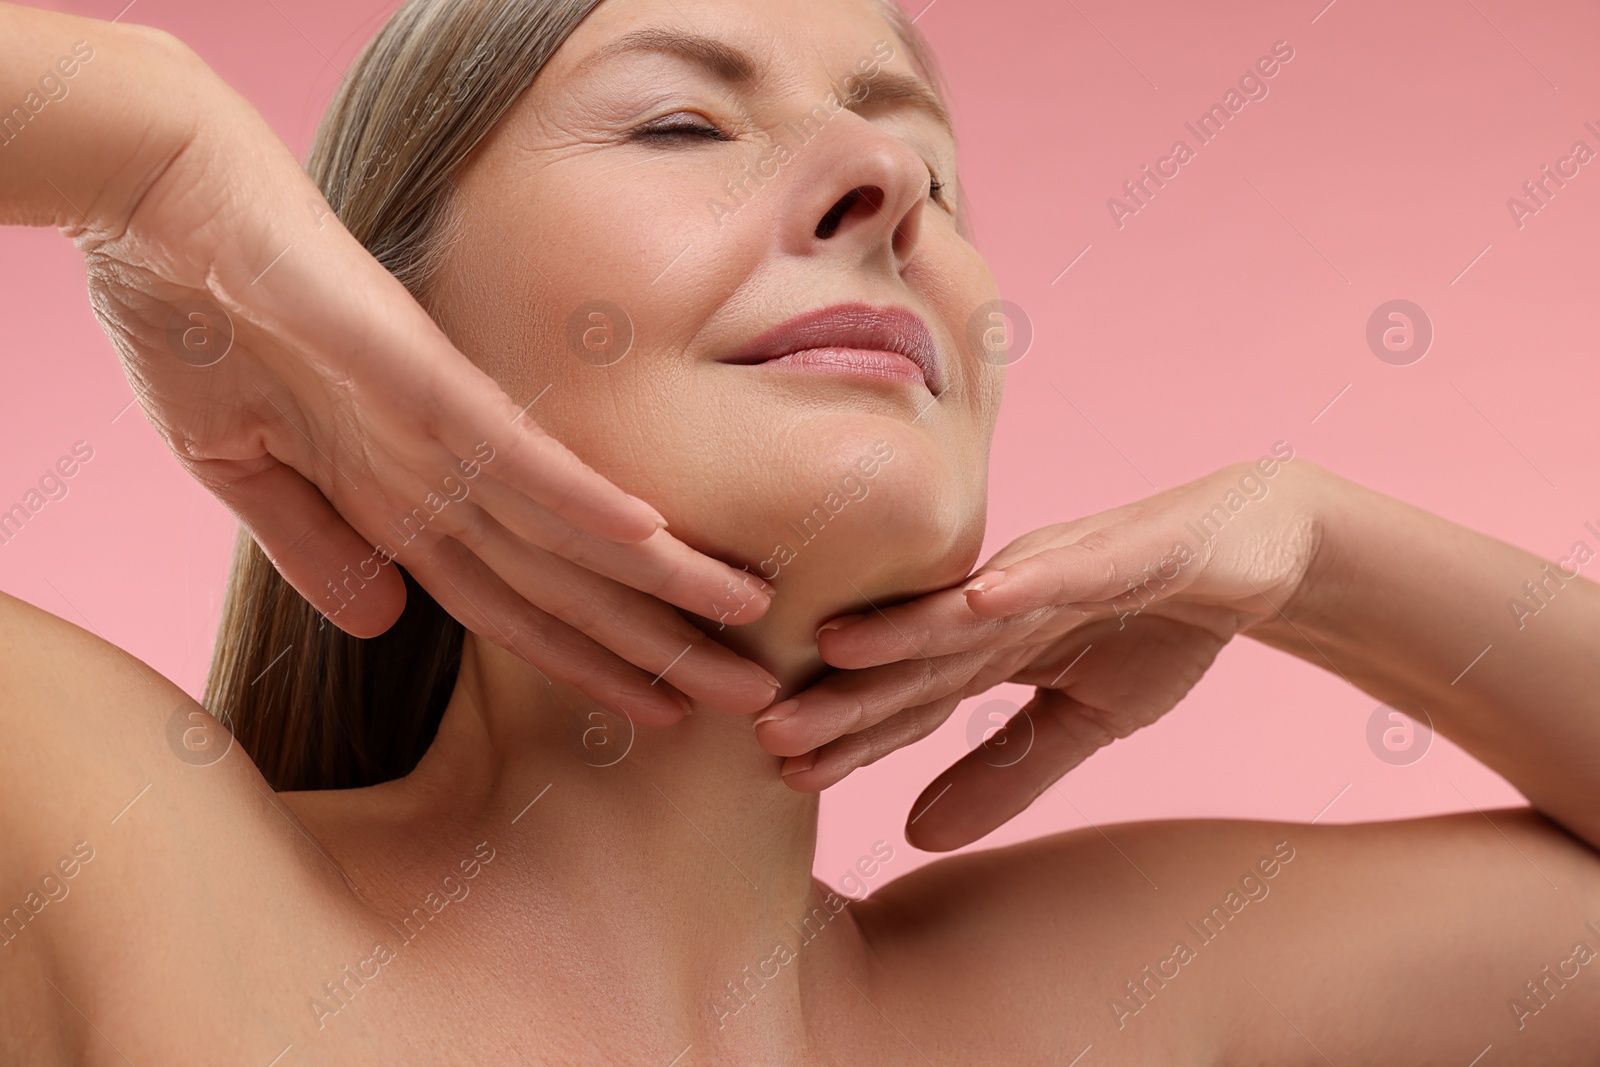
[(861, 193)]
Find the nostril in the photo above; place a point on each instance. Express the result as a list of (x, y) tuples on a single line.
[(830, 222), (836, 215)]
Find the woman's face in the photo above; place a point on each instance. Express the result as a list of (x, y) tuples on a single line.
[(686, 177)]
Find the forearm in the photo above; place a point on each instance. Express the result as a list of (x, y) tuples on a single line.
[(1411, 607), (89, 113)]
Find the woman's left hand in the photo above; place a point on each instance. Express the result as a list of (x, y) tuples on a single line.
[(1113, 618)]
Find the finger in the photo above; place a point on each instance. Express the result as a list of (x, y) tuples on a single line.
[(485, 604), (991, 784), (412, 376), (1122, 564), (849, 702), (316, 550), (661, 566), (420, 388), (532, 462), (830, 764), (638, 628), (937, 624)]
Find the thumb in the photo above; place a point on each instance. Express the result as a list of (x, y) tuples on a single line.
[(990, 785)]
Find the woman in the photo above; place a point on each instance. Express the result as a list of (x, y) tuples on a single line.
[(425, 849)]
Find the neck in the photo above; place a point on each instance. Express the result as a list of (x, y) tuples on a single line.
[(683, 839)]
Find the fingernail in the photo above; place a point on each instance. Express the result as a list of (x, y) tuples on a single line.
[(780, 711), (768, 677), (985, 583), (796, 764), (838, 624)]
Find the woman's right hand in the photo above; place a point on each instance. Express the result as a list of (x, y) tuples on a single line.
[(300, 382)]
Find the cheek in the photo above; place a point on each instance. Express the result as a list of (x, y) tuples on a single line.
[(638, 232), (740, 469), (592, 291)]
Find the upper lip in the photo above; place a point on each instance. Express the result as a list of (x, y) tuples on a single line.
[(882, 329)]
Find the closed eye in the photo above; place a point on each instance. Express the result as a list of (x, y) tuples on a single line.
[(682, 126)]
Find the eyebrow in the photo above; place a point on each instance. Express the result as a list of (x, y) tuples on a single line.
[(736, 67)]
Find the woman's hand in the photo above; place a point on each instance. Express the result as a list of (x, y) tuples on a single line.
[(302, 384), (1112, 618)]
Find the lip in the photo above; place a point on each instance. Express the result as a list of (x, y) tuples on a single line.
[(852, 337)]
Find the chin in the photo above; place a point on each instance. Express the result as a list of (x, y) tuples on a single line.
[(837, 498), (879, 510)]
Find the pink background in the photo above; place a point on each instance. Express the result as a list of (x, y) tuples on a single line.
[(1224, 316)]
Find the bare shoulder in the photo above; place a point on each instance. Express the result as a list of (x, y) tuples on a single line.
[(128, 820), (1212, 941), (84, 727)]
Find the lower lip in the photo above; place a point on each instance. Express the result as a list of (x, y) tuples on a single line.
[(861, 361)]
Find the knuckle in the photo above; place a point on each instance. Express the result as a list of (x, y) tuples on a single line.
[(1082, 724), (466, 523), (1098, 544), (920, 722), (926, 676), (895, 733), (1098, 541), (578, 612), (857, 750), (531, 640), (1117, 722), (565, 545)]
